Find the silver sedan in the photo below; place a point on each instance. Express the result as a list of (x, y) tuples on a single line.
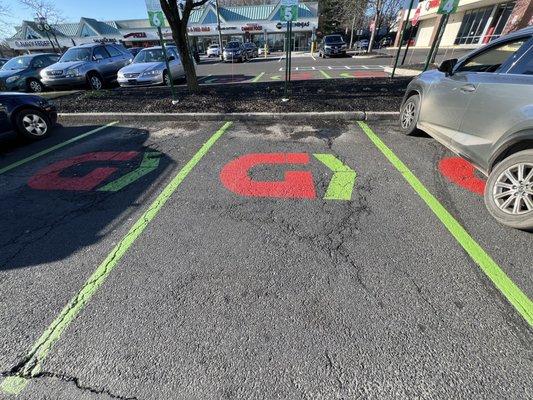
[(481, 107), (149, 68)]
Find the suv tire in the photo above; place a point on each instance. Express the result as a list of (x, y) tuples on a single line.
[(509, 192), (409, 115), (95, 81)]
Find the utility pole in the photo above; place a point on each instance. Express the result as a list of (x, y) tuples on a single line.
[(376, 22), (219, 30)]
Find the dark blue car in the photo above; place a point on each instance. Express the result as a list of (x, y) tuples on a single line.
[(23, 73), (30, 116)]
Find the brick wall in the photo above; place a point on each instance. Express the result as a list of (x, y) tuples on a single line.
[(521, 16)]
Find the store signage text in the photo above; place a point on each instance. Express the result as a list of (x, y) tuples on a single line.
[(33, 43), (136, 35)]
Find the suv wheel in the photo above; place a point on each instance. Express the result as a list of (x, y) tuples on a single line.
[(409, 115), (95, 82), (509, 191), (35, 86), (32, 124)]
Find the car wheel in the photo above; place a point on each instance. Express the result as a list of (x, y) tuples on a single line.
[(32, 124), (509, 191), (35, 86), (409, 115), (95, 82)]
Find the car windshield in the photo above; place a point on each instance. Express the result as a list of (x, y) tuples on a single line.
[(333, 39), (233, 45), (76, 55), (18, 63), (146, 56)]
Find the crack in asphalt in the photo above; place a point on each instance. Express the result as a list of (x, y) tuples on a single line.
[(73, 380)]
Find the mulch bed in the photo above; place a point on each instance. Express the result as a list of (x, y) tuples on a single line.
[(372, 94)]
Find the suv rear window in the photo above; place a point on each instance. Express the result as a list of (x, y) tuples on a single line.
[(333, 39)]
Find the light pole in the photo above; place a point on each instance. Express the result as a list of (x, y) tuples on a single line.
[(219, 31)]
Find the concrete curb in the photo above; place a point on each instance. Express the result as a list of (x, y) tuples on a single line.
[(302, 116), (403, 71)]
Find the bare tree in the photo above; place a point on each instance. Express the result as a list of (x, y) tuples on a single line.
[(385, 12), (178, 18), (4, 17), (46, 10)]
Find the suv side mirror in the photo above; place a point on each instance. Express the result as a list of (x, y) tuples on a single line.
[(447, 66)]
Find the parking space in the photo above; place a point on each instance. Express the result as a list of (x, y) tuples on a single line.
[(303, 68), (246, 260)]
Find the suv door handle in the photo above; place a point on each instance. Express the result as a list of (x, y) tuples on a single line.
[(468, 88)]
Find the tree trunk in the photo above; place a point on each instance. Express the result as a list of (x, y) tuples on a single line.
[(186, 59), (376, 27)]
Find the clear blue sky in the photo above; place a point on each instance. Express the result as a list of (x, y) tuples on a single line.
[(74, 9)]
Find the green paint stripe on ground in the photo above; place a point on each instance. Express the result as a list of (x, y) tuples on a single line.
[(53, 148), (258, 77), (325, 74), (343, 181), (505, 285), (53, 333), (149, 163)]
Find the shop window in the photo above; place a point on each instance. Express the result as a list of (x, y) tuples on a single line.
[(482, 25)]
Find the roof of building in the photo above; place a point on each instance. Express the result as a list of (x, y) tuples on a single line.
[(202, 15)]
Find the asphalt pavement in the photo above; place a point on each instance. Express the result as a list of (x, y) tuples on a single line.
[(254, 260)]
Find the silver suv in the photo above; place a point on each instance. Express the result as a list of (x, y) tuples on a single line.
[(89, 65), (481, 107)]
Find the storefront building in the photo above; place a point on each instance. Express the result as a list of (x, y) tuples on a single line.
[(259, 24), (475, 23)]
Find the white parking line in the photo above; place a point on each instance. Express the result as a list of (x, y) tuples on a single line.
[(347, 67), (313, 57), (280, 59), (364, 66)]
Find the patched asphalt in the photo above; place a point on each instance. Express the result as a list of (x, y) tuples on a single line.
[(226, 296)]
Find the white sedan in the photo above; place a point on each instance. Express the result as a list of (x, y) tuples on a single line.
[(213, 51)]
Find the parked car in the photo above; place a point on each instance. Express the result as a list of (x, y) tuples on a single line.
[(29, 115), (149, 68), (213, 51), (91, 65), (480, 107), (234, 51), (3, 61), (385, 42), (362, 44), (135, 50), (23, 73), (332, 45), (251, 50)]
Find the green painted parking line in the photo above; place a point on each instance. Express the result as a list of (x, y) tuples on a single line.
[(343, 181), (325, 74), (492, 270), (149, 163), (40, 350), (258, 77), (53, 148)]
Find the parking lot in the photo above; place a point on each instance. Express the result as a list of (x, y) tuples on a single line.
[(304, 67), (256, 260)]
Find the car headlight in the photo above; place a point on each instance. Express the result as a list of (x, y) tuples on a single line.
[(327, 47), (344, 46), (121, 74), (12, 79), (72, 73), (154, 72)]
